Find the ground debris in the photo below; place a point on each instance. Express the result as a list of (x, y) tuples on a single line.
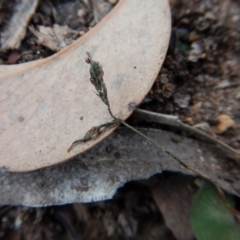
[(223, 123), (16, 28), (210, 79), (55, 38), (201, 64), (100, 9)]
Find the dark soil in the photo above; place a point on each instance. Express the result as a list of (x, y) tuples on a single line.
[(198, 82), (200, 77)]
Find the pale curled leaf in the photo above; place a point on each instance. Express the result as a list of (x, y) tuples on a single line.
[(53, 95)]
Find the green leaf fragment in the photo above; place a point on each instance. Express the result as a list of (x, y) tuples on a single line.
[(210, 218)]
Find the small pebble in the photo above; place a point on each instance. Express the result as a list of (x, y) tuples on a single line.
[(182, 100), (13, 57), (224, 123), (196, 52), (193, 37), (112, 1), (224, 84), (81, 13)]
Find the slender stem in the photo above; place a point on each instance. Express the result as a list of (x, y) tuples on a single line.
[(204, 176), (174, 121)]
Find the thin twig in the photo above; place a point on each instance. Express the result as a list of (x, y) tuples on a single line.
[(153, 142), (174, 121)]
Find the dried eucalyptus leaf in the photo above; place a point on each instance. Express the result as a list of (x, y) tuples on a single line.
[(124, 156)]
